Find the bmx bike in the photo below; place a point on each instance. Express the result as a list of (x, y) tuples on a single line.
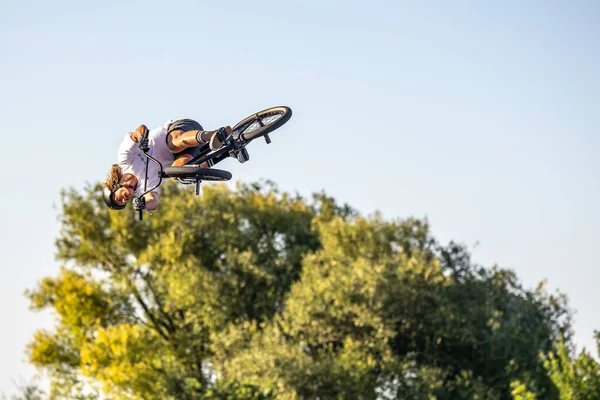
[(255, 126)]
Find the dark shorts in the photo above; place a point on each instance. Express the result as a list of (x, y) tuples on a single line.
[(187, 125)]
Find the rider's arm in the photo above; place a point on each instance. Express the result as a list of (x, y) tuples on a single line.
[(130, 143), (151, 200)]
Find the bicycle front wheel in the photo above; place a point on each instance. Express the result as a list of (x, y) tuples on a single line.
[(261, 123)]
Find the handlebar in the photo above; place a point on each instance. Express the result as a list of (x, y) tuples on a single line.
[(139, 203)]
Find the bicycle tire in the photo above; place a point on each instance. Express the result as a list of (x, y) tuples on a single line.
[(241, 129), (194, 172)]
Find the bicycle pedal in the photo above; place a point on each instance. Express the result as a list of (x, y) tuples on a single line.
[(242, 155), (222, 135)]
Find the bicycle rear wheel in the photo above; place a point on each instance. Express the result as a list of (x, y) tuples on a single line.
[(261, 123), (196, 172)]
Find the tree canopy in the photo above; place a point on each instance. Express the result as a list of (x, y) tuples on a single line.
[(251, 293)]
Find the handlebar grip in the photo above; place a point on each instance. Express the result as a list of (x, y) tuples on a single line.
[(139, 204), (144, 141)]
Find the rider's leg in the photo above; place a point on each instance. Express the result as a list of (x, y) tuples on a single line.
[(184, 159), (190, 154), (184, 134), (178, 140)]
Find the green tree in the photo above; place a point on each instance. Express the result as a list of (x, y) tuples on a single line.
[(520, 391), (577, 378), (381, 310), (252, 293)]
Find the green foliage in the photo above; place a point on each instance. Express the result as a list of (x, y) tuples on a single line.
[(520, 391), (575, 379), (250, 293)]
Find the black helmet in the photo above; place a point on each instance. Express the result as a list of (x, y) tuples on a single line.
[(107, 194)]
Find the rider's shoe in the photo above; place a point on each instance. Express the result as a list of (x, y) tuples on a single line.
[(215, 142), (212, 138)]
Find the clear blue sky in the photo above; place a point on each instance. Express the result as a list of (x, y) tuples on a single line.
[(483, 117)]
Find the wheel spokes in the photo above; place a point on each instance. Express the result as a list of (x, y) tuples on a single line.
[(270, 119), (261, 123)]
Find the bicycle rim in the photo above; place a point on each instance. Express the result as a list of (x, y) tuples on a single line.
[(262, 122)]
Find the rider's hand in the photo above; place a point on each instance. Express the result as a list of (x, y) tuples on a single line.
[(139, 132)]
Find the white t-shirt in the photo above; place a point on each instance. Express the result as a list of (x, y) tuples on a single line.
[(133, 161)]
